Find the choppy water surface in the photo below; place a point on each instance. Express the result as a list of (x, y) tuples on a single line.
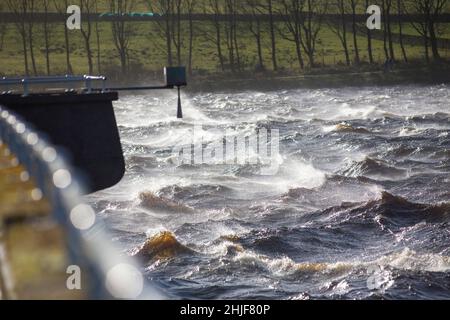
[(360, 207)]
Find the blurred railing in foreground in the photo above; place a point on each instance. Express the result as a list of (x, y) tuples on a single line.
[(52, 245), (26, 82)]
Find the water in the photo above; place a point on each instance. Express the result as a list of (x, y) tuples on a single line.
[(360, 207)]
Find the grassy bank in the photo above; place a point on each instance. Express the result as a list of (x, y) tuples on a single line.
[(402, 74), (147, 51)]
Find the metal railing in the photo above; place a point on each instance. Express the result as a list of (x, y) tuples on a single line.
[(27, 82), (87, 244)]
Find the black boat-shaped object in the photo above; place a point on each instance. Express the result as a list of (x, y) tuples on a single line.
[(81, 121)]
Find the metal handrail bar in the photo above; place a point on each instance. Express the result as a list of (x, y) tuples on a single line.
[(87, 247), (27, 81)]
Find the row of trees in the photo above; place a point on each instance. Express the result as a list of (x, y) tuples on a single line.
[(25, 25), (301, 24)]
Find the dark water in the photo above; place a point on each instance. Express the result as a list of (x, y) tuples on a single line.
[(360, 207)]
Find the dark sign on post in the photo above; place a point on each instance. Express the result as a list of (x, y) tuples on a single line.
[(175, 76)]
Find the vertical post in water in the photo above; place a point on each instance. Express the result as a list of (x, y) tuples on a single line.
[(180, 110)]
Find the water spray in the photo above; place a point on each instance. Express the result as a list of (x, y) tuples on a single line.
[(175, 77)]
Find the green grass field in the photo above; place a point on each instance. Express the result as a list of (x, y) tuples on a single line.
[(147, 50)]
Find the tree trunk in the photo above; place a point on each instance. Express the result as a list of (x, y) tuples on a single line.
[(389, 30), (369, 46), (236, 45), (97, 33), (67, 41), (47, 40), (230, 45), (191, 42), (168, 42), (298, 48), (433, 41), (272, 36), (312, 63), (400, 30), (369, 40), (426, 46), (344, 34), (89, 55), (2, 36), (385, 45), (124, 62), (178, 4), (355, 40), (25, 53), (31, 44), (219, 45), (258, 43)]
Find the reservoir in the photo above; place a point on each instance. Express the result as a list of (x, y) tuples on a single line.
[(358, 208)]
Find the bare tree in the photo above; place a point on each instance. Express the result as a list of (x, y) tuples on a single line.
[(273, 40), (436, 8), (165, 25), (190, 7), (47, 31), (353, 6), (30, 23), (388, 45), (312, 24), (122, 30), (231, 34), (217, 39), (176, 27), (97, 34), (253, 7), (369, 40), (340, 27), (3, 29), (61, 7), (400, 11), (292, 11), (20, 9), (430, 9), (87, 7)]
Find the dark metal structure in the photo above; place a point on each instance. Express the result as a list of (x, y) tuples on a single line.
[(81, 121)]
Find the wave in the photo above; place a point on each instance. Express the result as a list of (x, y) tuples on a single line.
[(405, 260), (246, 170), (438, 117), (162, 246), (195, 191), (155, 202), (392, 206), (401, 151), (347, 128), (375, 169), (389, 210), (395, 204), (335, 191)]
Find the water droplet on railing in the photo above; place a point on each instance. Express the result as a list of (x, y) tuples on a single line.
[(82, 217), (62, 178), (11, 120), (36, 194), (49, 154), (15, 162), (24, 176), (32, 139), (20, 128), (124, 281)]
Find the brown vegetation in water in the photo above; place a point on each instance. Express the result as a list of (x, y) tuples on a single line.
[(160, 247), (154, 202)]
